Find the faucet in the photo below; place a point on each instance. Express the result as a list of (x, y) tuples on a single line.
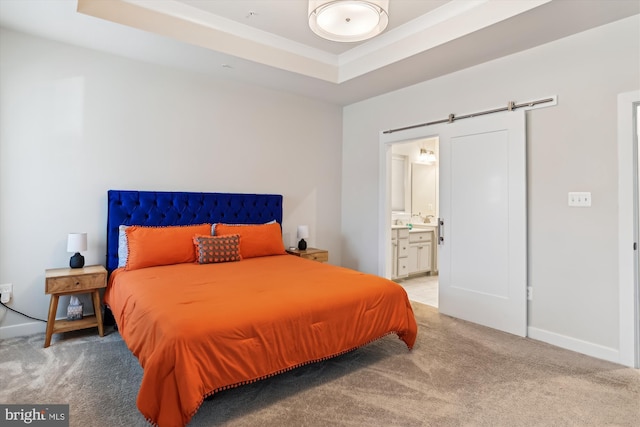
[(425, 219)]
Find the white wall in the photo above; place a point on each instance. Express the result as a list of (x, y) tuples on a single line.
[(572, 260), (75, 123)]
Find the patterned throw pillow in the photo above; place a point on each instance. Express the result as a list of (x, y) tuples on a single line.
[(210, 249)]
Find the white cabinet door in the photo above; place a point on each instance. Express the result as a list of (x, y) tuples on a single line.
[(424, 258), (413, 259), (420, 251), (419, 258)]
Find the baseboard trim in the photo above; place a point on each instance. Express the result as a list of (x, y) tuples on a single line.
[(590, 349), (23, 329)]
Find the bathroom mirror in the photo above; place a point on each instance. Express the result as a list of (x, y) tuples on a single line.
[(424, 190)]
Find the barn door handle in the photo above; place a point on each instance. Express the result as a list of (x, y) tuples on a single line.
[(440, 231)]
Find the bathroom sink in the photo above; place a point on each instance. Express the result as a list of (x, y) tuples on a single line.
[(422, 225)]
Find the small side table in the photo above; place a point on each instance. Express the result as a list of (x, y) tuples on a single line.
[(320, 255), (71, 281)]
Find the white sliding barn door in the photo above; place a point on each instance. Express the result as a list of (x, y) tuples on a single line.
[(482, 256)]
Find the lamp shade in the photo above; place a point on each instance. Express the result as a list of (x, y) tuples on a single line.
[(348, 20), (303, 231), (77, 242)]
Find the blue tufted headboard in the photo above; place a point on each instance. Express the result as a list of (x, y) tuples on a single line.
[(162, 208)]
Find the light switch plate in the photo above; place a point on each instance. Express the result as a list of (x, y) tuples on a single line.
[(580, 199)]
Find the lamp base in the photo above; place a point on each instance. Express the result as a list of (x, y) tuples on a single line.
[(302, 245), (76, 261)]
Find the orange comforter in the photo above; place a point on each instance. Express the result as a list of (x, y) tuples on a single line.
[(197, 329)]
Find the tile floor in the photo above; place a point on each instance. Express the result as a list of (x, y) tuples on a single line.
[(423, 289)]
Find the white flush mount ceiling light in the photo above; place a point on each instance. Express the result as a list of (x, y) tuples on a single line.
[(348, 20)]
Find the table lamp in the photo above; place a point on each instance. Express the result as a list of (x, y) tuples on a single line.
[(76, 242), (303, 233)]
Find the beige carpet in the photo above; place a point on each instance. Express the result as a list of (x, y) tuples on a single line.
[(458, 374)]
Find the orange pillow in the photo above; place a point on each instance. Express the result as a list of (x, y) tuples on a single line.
[(150, 246), (255, 240)]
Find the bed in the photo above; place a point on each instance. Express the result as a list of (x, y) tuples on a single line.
[(201, 325)]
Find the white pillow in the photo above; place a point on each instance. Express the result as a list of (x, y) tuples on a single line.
[(123, 246)]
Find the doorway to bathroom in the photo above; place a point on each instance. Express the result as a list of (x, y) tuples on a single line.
[(414, 213)]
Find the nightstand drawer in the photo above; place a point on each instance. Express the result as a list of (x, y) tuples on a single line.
[(318, 256), (312, 254), (75, 283)]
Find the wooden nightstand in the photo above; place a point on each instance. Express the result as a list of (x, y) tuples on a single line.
[(70, 281), (313, 254)]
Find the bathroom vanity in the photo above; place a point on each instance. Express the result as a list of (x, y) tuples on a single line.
[(422, 250), (413, 250)]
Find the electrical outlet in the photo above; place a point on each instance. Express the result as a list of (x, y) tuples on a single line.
[(5, 292), (529, 293)]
